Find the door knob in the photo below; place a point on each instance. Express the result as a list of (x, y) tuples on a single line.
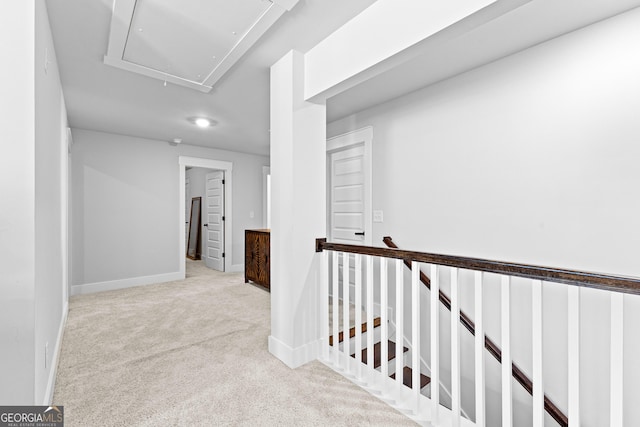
[(206, 225), (360, 233)]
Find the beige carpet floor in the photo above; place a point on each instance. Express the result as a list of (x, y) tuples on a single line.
[(191, 353)]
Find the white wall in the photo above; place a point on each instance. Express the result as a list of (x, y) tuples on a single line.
[(529, 159), (17, 210), (126, 204), (51, 206), (33, 168)]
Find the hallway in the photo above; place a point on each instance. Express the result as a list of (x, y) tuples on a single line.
[(194, 352)]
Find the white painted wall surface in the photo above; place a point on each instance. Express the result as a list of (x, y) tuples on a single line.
[(33, 169), (530, 159), (17, 210), (51, 168), (125, 204)]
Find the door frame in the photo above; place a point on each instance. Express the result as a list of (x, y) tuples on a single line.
[(342, 142), (266, 197), (227, 167)]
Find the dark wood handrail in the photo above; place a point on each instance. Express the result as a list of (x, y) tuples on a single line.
[(605, 282), (492, 347)]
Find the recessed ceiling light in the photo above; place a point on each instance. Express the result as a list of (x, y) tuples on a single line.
[(202, 122), (140, 30), (177, 140)]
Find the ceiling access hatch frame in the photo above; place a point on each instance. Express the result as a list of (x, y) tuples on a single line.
[(121, 30)]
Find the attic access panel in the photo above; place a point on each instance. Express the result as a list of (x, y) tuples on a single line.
[(192, 43)]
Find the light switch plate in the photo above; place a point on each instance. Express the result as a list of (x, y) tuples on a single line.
[(378, 216)]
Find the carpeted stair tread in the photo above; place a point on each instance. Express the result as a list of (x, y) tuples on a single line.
[(377, 353), (352, 331), (407, 378)]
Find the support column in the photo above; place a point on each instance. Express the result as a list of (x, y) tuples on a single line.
[(298, 213)]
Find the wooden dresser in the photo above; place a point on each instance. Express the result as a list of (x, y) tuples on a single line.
[(257, 257)]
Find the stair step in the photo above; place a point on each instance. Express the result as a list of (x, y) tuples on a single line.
[(352, 331), (407, 378), (377, 353)]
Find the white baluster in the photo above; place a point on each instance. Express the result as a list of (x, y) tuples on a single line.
[(370, 312), (435, 344), (536, 333), (384, 330), (617, 359), (455, 349), (574, 356), (415, 334), (345, 309), (335, 320), (399, 322), (505, 298), (479, 350), (324, 304), (358, 303)]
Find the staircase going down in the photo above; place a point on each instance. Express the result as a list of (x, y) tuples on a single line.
[(377, 355)]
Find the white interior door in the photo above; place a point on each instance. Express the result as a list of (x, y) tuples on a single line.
[(348, 193), (214, 250)]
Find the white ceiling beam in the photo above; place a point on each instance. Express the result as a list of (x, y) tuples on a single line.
[(387, 34)]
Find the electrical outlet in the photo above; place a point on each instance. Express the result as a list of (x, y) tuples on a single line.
[(378, 216), (46, 354), (251, 214)]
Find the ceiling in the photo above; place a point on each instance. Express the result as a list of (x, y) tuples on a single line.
[(104, 98)]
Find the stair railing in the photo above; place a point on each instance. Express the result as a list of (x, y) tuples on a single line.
[(362, 366), (550, 407)]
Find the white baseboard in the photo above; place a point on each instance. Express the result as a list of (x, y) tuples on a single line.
[(90, 288), (294, 357), (237, 268), (51, 382)]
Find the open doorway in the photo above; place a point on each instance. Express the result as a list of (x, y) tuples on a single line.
[(216, 186), (207, 186)]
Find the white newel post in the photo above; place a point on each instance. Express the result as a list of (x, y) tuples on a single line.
[(298, 212)]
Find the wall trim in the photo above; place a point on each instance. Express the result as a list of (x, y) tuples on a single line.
[(227, 167), (294, 357), (91, 288), (266, 212), (51, 382), (348, 139)]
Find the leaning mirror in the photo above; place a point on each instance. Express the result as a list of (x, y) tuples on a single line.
[(193, 245)]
